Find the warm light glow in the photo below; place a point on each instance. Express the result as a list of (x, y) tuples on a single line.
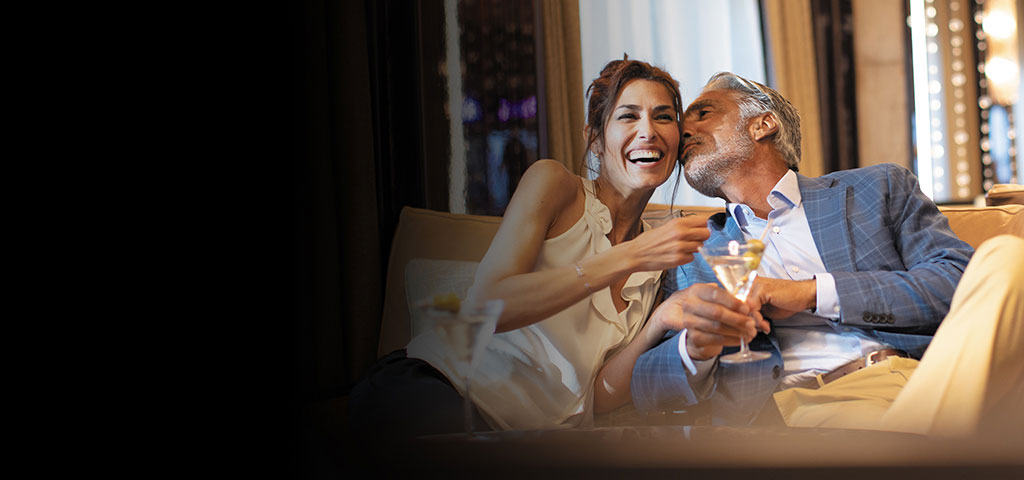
[(999, 24), (1003, 75), (1001, 71)]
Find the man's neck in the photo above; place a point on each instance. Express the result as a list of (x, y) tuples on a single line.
[(753, 181)]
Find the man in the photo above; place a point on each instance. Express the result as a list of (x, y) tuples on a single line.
[(859, 269)]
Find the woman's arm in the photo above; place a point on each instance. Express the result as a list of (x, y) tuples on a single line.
[(611, 385), (713, 318), (548, 201)]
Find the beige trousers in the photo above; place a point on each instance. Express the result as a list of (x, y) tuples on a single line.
[(970, 380)]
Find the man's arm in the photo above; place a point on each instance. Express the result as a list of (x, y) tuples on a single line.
[(908, 264), (661, 381), (914, 298)]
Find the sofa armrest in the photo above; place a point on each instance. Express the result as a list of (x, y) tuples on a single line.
[(974, 225), (1005, 194)]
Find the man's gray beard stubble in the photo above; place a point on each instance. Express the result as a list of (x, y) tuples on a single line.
[(707, 172)]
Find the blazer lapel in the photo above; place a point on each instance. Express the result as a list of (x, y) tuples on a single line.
[(825, 206), (723, 229)]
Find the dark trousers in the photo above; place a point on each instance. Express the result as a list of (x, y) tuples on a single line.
[(402, 398)]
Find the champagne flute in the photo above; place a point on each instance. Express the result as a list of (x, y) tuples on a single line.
[(735, 265)]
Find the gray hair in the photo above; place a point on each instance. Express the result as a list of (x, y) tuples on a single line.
[(755, 99)]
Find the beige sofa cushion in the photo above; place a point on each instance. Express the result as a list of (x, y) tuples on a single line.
[(425, 278), (429, 235), (977, 224)]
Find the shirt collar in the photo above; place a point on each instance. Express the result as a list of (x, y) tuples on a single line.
[(787, 190), (785, 194)]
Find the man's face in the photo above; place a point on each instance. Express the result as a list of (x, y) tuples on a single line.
[(716, 141)]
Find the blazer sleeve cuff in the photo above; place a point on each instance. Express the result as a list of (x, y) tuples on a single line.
[(661, 380)]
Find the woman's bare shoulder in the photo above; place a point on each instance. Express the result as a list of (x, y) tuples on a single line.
[(551, 171), (548, 181), (559, 193)]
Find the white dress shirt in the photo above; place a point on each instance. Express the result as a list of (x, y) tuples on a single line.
[(809, 343)]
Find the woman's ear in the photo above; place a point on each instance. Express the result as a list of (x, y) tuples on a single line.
[(595, 146), (764, 125)]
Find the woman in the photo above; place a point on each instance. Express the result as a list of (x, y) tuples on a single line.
[(578, 272)]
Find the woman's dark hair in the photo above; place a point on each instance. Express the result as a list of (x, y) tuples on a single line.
[(605, 89)]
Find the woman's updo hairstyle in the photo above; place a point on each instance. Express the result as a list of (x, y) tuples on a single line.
[(605, 89)]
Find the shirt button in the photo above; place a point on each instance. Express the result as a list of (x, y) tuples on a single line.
[(795, 269), (776, 229), (836, 309)]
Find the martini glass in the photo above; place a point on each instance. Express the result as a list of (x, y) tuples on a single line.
[(735, 265), (464, 328)]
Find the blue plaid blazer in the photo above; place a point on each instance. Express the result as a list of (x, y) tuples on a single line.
[(895, 262)]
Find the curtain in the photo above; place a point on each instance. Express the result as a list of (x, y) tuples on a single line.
[(335, 245), (791, 50), (563, 81)]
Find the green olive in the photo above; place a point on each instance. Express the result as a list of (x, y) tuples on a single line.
[(755, 246), (448, 301), (752, 260)]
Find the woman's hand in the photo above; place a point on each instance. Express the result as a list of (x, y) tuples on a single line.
[(712, 317), (669, 245)]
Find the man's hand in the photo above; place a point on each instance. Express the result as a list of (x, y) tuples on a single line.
[(712, 317), (778, 299)]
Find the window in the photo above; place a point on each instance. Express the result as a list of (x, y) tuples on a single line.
[(493, 95)]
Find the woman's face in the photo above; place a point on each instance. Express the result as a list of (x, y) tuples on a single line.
[(641, 138)]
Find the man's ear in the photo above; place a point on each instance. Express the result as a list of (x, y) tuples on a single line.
[(763, 126)]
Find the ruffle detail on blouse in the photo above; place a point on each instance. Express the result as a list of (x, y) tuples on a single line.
[(599, 218), (633, 290)]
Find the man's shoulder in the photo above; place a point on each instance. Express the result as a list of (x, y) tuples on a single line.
[(880, 171), (884, 176)]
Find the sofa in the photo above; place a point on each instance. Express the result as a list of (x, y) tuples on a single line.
[(437, 252)]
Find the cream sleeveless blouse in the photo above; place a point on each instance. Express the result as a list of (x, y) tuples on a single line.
[(542, 375)]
